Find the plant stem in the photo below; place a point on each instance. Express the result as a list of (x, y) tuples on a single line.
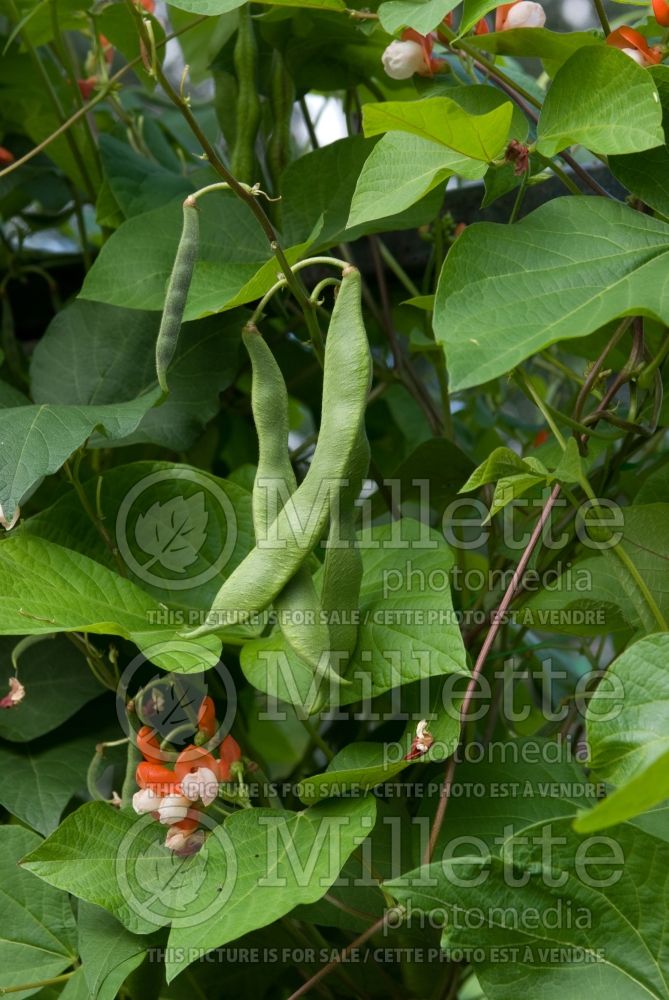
[(498, 619), (317, 739), (72, 474), (37, 985), (603, 19)]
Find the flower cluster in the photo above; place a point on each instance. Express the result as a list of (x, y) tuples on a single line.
[(413, 52), (170, 796)]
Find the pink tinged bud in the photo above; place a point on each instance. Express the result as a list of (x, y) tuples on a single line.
[(525, 14), (172, 809), (17, 693), (402, 59), (9, 524), (146, 801), (200, 784), (182, 843)]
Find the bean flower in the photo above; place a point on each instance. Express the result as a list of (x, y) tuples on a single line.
[(17, 693), (5, 158), (522, 14), (634, 45), (175, 797), (412, 54)]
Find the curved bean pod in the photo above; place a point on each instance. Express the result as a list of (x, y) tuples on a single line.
[(255, 583), (177, 291)]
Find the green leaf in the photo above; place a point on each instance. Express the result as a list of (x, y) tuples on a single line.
[(129, 492), (317, 190), (37, 785), (118, 860), (405, 633), (441, 120), (274, 861), (628, 715), (57, 679), (213, 7), (603, 100), (421, 15), (173, 532), (48, 588), (95, 354), (604, 939), (108, 951), (134, 265), (137, 183), (636, 796), (402, 169), (506, 292), (502, 463), (647, 174), (355, 769), (38, 933), (554, 47), (39, 439)]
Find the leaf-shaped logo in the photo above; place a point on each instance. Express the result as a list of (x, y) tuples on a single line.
[(171, 883), (173, 533)]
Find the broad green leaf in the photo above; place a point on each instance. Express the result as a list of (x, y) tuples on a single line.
[(405, 634), (647, 174), (108, 951), (400, 170), (38, 784), (149, 491), (47, 588), (518, 784), (603, 100), (554, 47), (610, 945), (636, 796), (37, 440), (38, 938), (507, 291), (441, 120), (502, 463), (58, 680), (269, 862), (138, 184), (134, 265), (96, 354), (118, 860), (421, 15), (317, 190), (628, 715), (353, 770)]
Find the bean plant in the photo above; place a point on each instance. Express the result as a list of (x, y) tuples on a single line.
[(334, 499)]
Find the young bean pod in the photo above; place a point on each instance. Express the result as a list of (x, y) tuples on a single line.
[(342, 568), (298, 527), (177, 290), (245, 59), (281, 100), (297, 605)]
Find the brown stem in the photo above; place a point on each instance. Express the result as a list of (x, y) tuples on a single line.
[(498, 620)]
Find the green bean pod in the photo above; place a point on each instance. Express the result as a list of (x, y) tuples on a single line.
[(177, 290), (245, 59), (342, 568), (300, 525), (297, 605), (281, 100)]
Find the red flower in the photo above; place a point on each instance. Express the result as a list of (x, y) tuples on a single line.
[(230, 753), (481, 27), (633, 44), (193, 758), (5, 156), (148, 5), (157, 777), (206, 717), (148, 745)]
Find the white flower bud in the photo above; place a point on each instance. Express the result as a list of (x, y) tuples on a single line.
[(172, 809), (402, 59), (637, 56), (182, 843), (200, 784), (8, 525), (525, 14), (146, 801)]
